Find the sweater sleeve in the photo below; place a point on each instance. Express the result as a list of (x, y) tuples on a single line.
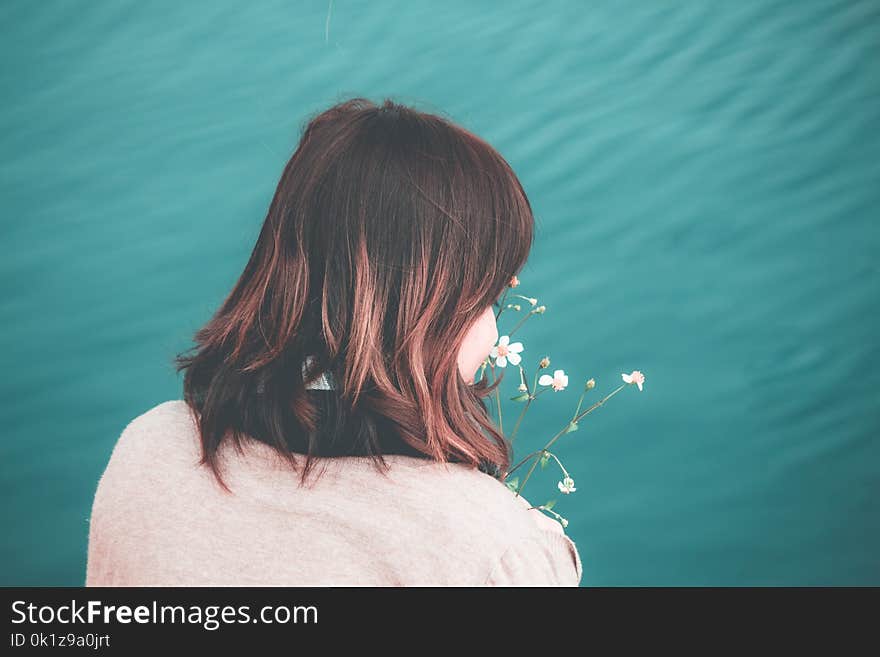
[(101, 568), (111, 513), (545, 558), (98, 572)]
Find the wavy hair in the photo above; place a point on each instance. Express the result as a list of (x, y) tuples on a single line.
[(390, 231)]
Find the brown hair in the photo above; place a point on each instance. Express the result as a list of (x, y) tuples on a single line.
[(389, 233)]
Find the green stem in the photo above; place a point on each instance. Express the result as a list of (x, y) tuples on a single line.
[(563, 431), (561, 467), (521, 462), (528, 474), (497, 399), (580, 401), (561, 520), (519, 419), (501, 303), (521, 322), (522, 377), (600, 402)]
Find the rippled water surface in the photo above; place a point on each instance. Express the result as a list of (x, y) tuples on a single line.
[(706, 178)]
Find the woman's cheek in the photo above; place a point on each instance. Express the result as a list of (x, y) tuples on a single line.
[(477, 344)]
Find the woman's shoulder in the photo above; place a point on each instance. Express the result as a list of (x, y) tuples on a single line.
[(167, 421), (161, 416), (161, 434), (466, 505)]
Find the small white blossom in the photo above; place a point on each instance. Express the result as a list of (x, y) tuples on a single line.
[(504, 351), (636, 377), (567, 485), (558, 381)]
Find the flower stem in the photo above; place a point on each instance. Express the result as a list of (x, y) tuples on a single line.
[(522, 377), (561, 467), (580, 401), (563, 431), (532, 397), (562, 520), (528, 474), (497, 399), (600, 402), (519, 419), (521, 322), (501, 303), (521, 462)]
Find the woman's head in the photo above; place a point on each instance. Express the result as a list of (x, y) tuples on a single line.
[(389, 237)]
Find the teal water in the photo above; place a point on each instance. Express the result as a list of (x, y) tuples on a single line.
[(706, 178)]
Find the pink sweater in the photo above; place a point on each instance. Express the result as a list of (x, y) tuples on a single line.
[(160, 519)]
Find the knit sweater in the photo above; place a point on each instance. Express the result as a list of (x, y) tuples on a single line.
[(159, 518)]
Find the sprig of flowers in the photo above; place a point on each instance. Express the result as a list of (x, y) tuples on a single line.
[(505, 353)]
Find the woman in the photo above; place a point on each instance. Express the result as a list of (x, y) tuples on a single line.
[(390, 237)]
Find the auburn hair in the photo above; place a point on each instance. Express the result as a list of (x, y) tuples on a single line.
[(390, 231)]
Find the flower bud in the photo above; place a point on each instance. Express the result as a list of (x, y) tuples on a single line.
[(545, 363), (514, 282), (591, 384), (532, 300), (540, 310), (523, 387)]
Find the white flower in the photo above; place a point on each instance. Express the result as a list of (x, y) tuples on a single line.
[(504, 351), (559, 380), (636, 377), (567, 485)]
